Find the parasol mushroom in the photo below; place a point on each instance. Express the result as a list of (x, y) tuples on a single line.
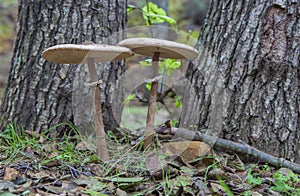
[(157, 48), (90, 53)]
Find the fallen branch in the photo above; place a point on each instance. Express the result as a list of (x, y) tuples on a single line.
[(229, 145)]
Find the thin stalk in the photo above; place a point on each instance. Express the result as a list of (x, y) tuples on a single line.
[(152, 103), (102, 150)]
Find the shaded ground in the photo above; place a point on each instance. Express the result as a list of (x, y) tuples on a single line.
[(33, 164)]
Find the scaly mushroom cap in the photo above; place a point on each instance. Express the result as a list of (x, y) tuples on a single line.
[(79, 53), (167, 49)]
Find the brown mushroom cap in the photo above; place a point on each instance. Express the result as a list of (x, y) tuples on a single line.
[(167, 49), (79, 53)]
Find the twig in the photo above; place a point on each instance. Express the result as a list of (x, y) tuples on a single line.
[(72, 170), (230, 145), (51, 183)]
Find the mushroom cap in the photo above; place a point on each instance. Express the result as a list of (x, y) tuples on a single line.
[(167, 49), (79, 53)]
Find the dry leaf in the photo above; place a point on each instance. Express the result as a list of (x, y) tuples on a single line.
[(5, 185), (217, 188), (34, 134), (120, 192), (11, 174), (189, 150), (28, 152), (215, 173), (157, 167), (83, 146)]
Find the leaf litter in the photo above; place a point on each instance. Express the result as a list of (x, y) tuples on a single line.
[(33, 164)]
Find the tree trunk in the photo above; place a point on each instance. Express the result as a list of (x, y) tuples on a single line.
[(245, 83), (39, 93)]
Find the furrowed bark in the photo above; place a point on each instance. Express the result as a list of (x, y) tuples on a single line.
[(41, 94), (246, 79)]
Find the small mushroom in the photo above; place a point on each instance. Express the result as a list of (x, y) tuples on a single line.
[(157, 48), (90, 54)]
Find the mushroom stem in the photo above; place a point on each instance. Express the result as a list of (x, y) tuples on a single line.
[(102, 150), (152, 103)]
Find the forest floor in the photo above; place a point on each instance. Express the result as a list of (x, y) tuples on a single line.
[(33, 164)]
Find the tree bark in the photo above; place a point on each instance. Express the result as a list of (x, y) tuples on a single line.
[(246, 80), (40, 94)]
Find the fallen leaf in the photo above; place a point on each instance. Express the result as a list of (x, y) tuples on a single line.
[(189, 150), (125, 180), (23, 185), (11, 174), (201, 186), (20, 180), (215, 173), (41, 174), (217, 188), (234, 178), (7, 193), (90, 183), (28, 152), (157, 167), (34, 134), (42, 140), (236, 163), (254, 193), (83, 146), (120, 192), (93, 193), (5, 185)]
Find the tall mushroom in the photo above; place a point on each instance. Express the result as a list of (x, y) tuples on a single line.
[(90, 54), (157, 48)]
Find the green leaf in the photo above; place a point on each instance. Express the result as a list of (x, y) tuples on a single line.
[(281, 186), (178, 103), (294, 177), (225, 186), (130, 8), (7, 193), (174, 122), (156, 18), (147, 62), (129, 98), (152, 14), (93, 193), (148, 86), (91, 159), (170, 65), (282, 182), (253, 180), (124, 180)]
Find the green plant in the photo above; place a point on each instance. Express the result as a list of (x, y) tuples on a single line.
[(211, 166), (166, 66), (266, 168), (129, 98), (253, 178), (14, 140), (166, 69), (284, 183), (67, 152), (152, 14), (225, 186), (174, 122)]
